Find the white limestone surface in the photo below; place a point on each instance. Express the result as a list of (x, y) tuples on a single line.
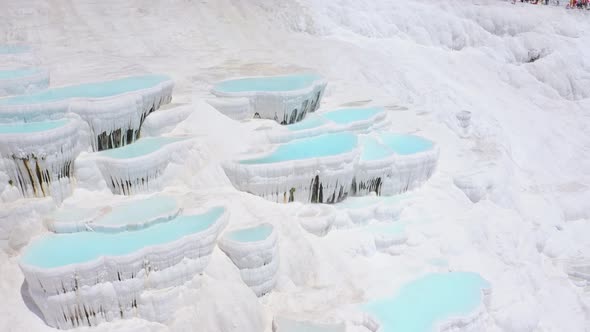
[(285, 99)]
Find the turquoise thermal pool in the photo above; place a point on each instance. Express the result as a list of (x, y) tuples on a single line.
[(31, 127), (430, 300), (251, 234), (140, 148), (318, 146), (89, 90), (58, 250), (139, 211)]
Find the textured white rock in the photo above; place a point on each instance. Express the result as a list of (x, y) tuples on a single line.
[(40, 163), (257, 259), (139, 173), (286, 106), (166, 119), (139, 284), (29, 81)]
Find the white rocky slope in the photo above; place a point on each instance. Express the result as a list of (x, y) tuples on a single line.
[(527, 154)]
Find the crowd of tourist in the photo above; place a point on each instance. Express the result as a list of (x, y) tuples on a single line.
[(580, 4)]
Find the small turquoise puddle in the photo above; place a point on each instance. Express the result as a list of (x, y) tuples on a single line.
[(267, 84), (57, 250), (30, 127), (140, 148), (309, 122), (349, 115), (18, 73), (423, 303), (14, 49), (139, 212), (318, 146), (89, 90), (251, 234), (386, 144)]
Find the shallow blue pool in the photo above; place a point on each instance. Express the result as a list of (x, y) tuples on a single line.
[(140, 147), (421, 304), (267, 84), (318, 146), (30, 127), (405, 144), (89, 90), (349, 115), (139, 211), (64, 249), (16, 73), (251, 234), (307, 123), (14, 49)]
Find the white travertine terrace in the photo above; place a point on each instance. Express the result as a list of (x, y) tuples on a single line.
[(136, 168), (131, 215), (351, 119), (38, 157), (114, 110), (87, 278), (285, 99), (254, 251), (318, 170), (392, 163)]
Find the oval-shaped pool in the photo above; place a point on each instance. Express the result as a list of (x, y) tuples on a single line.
[(430, 300), (57, 250), (31, 127), (314, 147), (251, 234), (141, 147), (89, 90)]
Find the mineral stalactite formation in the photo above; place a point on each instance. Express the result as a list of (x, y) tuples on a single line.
[(39, 156)]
